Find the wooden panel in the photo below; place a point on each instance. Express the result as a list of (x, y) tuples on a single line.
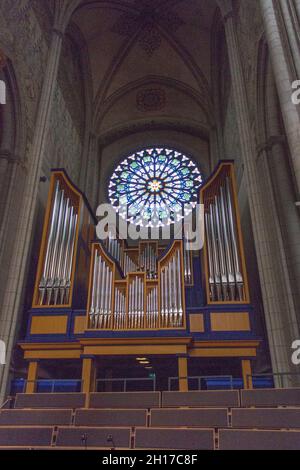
[(53, 354), (79, 325), (230, 321), (134, 350), (49, 325), (223, 352), (197, 323)]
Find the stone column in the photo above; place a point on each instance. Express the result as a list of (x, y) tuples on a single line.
[(278, 164), (292, 25), (285, 75), (278, 303), (92, 173), (17, 271)]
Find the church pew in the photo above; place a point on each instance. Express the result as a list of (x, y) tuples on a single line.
[(271, 397), (25, 436), (111, 418), (50, 400), (266, 418), (201, 418), (202, 398), (125, 400), (170, 438), (239, 439), (95, 437), (35, 417)]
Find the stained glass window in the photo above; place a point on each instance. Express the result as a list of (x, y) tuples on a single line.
[(155, 187)]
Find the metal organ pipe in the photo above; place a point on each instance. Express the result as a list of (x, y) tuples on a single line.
[(222, 249), (152, 308), (120, 310), (101, 297), (94, 292), (233, 233), (215, 254), (187, 263), (179, 290), (54, 286), (171, 290), (49, 249), (228, 247), (147, 261), (225, 278), (128, 265), (212, 280)]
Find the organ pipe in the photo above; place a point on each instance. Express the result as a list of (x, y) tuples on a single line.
[(100, 314), (171, 292), (55, 282), (225, 278)]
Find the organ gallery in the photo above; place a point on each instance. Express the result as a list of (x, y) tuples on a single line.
[(149, 224), (155, 298)]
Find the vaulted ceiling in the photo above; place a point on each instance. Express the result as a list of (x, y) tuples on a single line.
[(148, 57)]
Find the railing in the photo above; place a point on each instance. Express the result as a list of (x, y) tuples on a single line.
[(280, 379), (49, 385), (200, 379), (126, 381), (7, 404)]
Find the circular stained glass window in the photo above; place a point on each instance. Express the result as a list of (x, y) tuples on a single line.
[(155, 187)]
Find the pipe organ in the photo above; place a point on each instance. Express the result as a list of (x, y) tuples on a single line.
[(139, 302), (136, 301), (129, 266), (148, 259), (115, 248), (100, 312), (54, 285), (226, 279), (171, 289), (152, 315), (115, 297), (69, 227), (188, 263)]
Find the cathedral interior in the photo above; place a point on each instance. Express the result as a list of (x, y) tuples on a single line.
[(149, 103)]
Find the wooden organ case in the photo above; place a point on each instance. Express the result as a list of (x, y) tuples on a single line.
[(109, 298)]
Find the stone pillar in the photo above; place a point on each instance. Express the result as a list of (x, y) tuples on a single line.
[(17, 271), (285, 75), (92, 173), (278, 164), (278, 302), (183, 374), (292, 25)]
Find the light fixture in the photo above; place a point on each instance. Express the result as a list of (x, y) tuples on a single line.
[(144, 362), (141, 358)]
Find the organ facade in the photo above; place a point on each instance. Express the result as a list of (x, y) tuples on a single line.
[(155, 298)]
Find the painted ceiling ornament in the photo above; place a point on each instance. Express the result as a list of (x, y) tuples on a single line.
[(151, 99), (147, 17), (150, 39), (155, 187)]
